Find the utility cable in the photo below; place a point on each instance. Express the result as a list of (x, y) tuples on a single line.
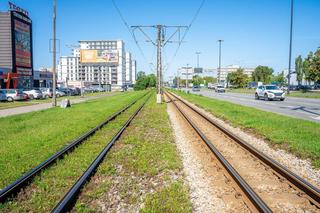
[(129, 29), (185, 33)]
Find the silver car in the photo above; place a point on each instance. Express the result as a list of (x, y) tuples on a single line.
[(14, 95), (220, 89), (34, 93)]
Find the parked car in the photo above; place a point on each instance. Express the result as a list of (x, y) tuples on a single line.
[(269, 92), (60, 93), (3, 96), (46, 92), (220, 88), (76, 91), (196, 89), (34, 93), (88, 90), (65, 90), (14, 95)]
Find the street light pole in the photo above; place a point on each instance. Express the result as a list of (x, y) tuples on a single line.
[(290, 47), (187, 77), (219, 71), (198, 53), (54, 100), (178, 80)]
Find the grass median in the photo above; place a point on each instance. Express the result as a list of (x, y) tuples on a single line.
[(142, 172), (28, 139), (295, 135)]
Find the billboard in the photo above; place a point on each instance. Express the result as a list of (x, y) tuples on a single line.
[(22, 39), (21, 30), (99, 56)]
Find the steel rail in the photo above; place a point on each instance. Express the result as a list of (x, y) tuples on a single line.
[(68, 201), (21, 182), (310, 190), (257, 202)]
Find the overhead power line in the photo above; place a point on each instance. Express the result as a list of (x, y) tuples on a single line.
[(130, 31), (185, 33)]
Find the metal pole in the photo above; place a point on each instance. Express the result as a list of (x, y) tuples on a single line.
[(159, 65), (54, 100), (81, 81), (178, 80), (187, 77), (290, 46), (219, 71), (198, 53)]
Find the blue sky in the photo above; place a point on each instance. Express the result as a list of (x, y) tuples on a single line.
[(255, 32)]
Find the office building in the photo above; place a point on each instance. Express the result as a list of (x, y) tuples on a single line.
[(97, 63), (16, 58)]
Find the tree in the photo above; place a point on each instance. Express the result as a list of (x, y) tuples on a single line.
[(140, 74), (196, 80), (279, 79), (263, 74), (152, 80), (305, 70), (238, 78), (314, 66), (144, 81), (299, 69), (209, 79)]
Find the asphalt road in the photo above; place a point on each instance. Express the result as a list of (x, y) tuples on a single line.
[(303, 108)]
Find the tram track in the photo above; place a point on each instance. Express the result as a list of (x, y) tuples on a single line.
[(15, 187), (268, 185)]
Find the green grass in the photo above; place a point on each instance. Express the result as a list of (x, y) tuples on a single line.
[(295, 135), (145, 153), (48, 188), (300, 94), (169, 199), (28, 139), (8, 105)]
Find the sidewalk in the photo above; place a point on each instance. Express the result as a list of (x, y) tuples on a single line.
[(37, 107)]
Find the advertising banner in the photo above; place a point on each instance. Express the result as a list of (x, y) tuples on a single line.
[(99, 56), (22, 36)]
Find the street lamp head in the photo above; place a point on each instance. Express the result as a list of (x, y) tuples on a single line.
[(220, 40)]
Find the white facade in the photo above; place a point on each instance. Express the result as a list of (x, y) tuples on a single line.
[(68, 69), (186, 73), (134, 71), (72, 71), (224, 71), (128, 69)]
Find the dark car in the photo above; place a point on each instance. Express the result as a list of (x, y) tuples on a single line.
[(196, 89)]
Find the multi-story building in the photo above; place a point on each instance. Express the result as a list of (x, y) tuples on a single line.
[(68, 71), (224, 71), (16, 62), (102, 63), (186, 73)]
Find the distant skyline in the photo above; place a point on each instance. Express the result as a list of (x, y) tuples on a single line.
[(254, 32)]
